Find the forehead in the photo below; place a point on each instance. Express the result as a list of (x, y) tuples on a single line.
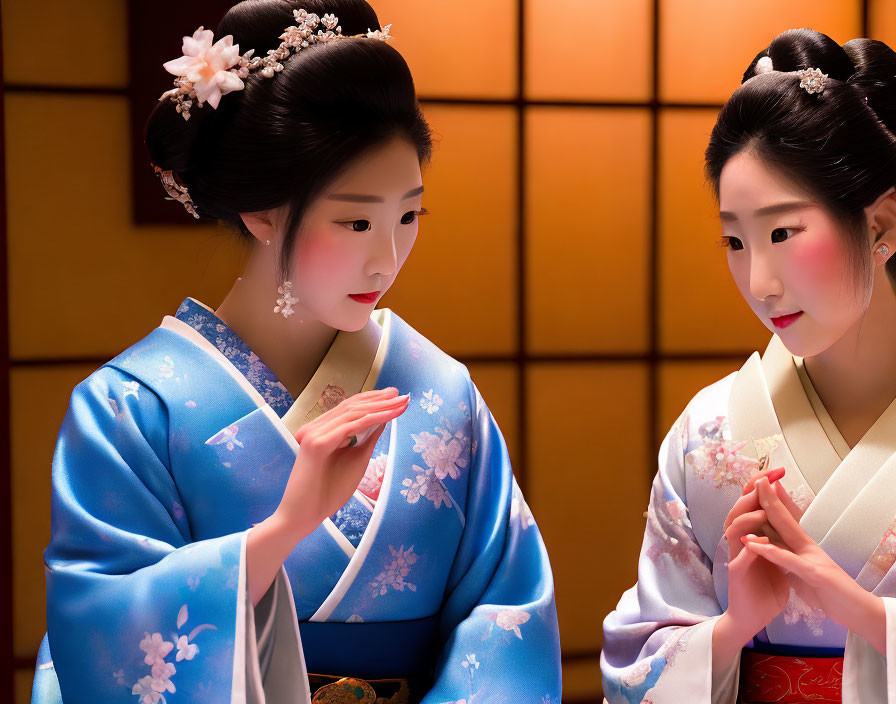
[(387, 169), (746, 182)]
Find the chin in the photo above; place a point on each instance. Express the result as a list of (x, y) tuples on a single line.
[(351, 323), (804, 345)]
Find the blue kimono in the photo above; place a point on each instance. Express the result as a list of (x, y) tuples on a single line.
[(173, 450)]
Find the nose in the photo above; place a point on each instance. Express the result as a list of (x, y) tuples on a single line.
[(383, 258), (764, 280)]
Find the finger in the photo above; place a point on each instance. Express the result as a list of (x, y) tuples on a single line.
[(341, 415), (772, 474), (336, 437), (742, 561), (751, 522), (781, 519), (370, 420), (353, 413), (374, 395), (745, 504), (788, 501), (786, 560), (352, 439)]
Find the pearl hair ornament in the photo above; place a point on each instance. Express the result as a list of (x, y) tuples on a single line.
[(812, 80), (764, 65)]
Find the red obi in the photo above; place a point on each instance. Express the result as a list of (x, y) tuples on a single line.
[(788, 679)]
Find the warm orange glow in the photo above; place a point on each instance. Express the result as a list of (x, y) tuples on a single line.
[(706, 45)]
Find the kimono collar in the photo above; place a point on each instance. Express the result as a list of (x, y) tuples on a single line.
[(352, 363), (810, 445), (203, 320)]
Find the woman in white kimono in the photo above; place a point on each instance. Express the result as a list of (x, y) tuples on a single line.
[(293, 495), (767, 568)]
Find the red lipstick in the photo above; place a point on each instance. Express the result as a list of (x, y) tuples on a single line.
[(365, 297), (784, 321)]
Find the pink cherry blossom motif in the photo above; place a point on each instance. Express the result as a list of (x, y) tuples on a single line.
[(510, 620), (185, 649), (372, 481), (207, 66), (161, 677), (144, 690), (155, 647)]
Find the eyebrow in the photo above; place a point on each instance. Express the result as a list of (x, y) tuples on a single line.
[(770, 209), (356, 198)]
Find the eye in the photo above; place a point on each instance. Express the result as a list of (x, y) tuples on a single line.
[(781, 234), (409, 217), (358, 225), (731, 242)]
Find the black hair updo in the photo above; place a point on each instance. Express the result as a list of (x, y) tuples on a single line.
[(838, 145), (283, 140)]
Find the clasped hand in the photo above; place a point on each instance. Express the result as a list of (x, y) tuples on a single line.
[(770, 553)]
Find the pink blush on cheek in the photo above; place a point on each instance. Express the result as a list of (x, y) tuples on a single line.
[(323, 257), (816, 259)]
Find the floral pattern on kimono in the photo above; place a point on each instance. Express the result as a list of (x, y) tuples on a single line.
[(720, 460), (147, 518), (216, 331), (351, 519), (682, 569)]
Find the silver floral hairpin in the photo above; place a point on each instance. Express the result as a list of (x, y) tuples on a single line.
[(207, 71), (812, 80)]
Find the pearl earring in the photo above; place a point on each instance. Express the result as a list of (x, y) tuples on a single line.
[(883, 250), (286, 300), (267, 243)]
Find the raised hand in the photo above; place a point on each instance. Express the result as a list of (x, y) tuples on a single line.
[(325, 474), (815, 576), (328, 468), (757, 590)]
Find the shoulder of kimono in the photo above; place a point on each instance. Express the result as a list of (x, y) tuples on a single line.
[(708, 404), (143, 359), (410, 345), (712, 400)]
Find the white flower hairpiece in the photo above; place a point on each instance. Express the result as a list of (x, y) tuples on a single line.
[(812, 80), (207, 71)]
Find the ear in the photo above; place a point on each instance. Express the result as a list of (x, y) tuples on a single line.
[(261, 224), (881, 216)]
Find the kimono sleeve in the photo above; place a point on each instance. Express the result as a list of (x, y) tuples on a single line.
[(658, 642), (498, 619), (134, 606), (868, 676)]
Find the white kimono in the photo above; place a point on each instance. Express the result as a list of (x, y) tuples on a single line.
[(658, 641)]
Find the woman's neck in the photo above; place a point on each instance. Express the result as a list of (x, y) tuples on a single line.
[(856, 377), (292, 348)]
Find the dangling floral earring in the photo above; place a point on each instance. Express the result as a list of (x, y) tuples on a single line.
[(286, 300)]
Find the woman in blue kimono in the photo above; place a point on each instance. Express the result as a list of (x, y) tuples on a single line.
[(292, 495)]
